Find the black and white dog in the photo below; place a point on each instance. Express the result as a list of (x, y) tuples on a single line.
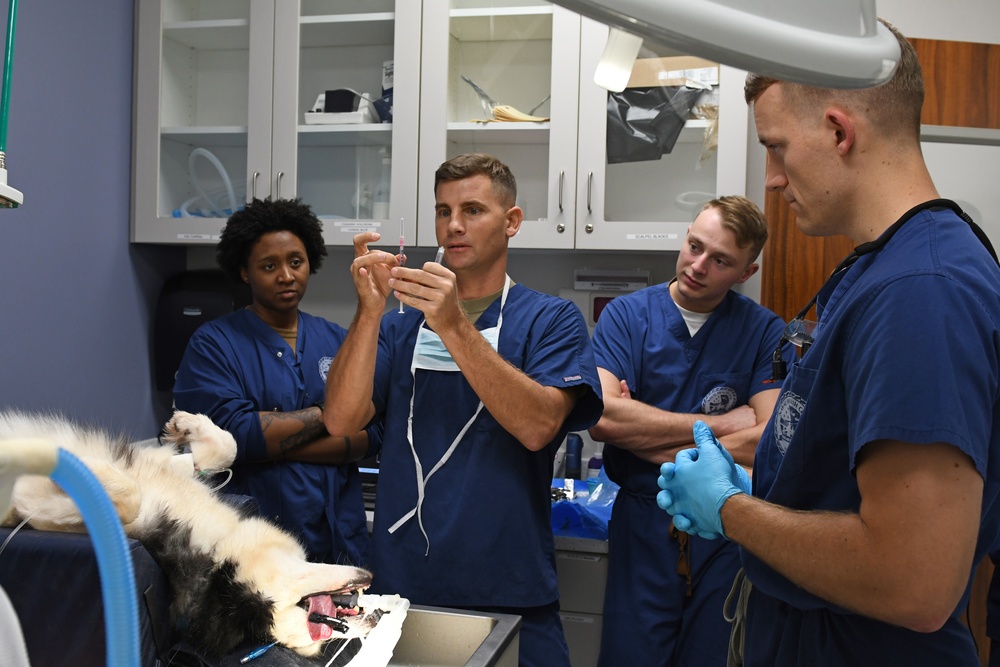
[(236, 579)]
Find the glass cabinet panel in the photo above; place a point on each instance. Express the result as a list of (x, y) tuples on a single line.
[(490, 84), (202, 130), (343, 117), (634, 201), (238, 99)]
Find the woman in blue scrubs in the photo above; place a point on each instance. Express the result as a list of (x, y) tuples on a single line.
[(260, 373)]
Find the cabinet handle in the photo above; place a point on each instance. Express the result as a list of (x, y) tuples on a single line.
[(277, 185), (253, 185), (590, 188), (562, 179)]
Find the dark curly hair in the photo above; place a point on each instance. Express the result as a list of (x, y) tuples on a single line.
[(245, 227)]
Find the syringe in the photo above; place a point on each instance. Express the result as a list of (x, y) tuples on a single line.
[(401, 253)]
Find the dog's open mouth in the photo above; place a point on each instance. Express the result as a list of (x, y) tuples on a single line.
[(331, 613)]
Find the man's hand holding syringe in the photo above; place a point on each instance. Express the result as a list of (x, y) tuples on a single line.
[(377, 273)]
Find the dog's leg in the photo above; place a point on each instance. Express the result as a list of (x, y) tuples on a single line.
[(48, 507), (212, 447)]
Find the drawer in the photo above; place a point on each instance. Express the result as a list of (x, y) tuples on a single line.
[(583, 634), (582, 580)]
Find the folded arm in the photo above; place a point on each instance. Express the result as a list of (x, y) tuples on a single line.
[(657, 435), (300, 435)]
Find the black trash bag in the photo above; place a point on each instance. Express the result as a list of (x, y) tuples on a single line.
[(644, 123)]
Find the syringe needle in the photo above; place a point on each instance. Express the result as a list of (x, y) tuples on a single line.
[(401, 253)]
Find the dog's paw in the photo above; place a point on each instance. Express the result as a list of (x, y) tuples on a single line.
[(212, 448)]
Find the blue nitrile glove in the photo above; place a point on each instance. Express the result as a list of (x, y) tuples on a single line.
[(698, 483)]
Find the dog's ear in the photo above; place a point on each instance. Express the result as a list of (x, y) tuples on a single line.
[(212, 611), (228, 614)]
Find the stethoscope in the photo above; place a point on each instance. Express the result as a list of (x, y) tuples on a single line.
[(795, 332)]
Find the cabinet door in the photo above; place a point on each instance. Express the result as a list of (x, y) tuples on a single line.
[(521, 53), (648, 205), (222, 95), (193, 133), (354, 167)]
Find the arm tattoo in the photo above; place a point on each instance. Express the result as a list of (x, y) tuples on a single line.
[(312, 427)]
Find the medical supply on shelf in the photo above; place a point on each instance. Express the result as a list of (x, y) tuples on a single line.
[(594, 466), (401, 246), (343, 106), (574, 451), (213, 209)]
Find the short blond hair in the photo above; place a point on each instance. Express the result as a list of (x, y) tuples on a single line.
[(744, 219), (894, 107)]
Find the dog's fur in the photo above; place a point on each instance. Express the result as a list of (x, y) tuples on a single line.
[(235, 579)]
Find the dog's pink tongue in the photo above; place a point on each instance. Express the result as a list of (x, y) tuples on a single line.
[(322, 604)]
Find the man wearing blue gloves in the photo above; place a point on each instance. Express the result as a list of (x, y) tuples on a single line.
[(876, 487)]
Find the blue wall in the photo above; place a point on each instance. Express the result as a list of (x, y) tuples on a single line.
[(76, 298)]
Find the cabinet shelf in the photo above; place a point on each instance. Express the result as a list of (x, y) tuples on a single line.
[(216, 35), (538, 133), (499, 133), (375, 28), (370, 134), (216, 135)]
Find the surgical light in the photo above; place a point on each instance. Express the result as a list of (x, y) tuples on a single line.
[(824, 43)]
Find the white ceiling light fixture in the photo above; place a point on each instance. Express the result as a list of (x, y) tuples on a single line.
[(825, 43)]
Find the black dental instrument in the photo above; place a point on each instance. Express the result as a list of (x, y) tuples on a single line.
[(335, 623)]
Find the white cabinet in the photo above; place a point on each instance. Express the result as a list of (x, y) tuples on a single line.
[(519, 52), (223, 87), (222, 91)]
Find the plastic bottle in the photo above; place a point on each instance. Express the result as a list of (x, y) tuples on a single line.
[(380, 203), (594, 466), (574, 450)]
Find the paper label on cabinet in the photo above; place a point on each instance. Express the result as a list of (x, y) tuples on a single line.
[(651, 237), (356, 226)]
